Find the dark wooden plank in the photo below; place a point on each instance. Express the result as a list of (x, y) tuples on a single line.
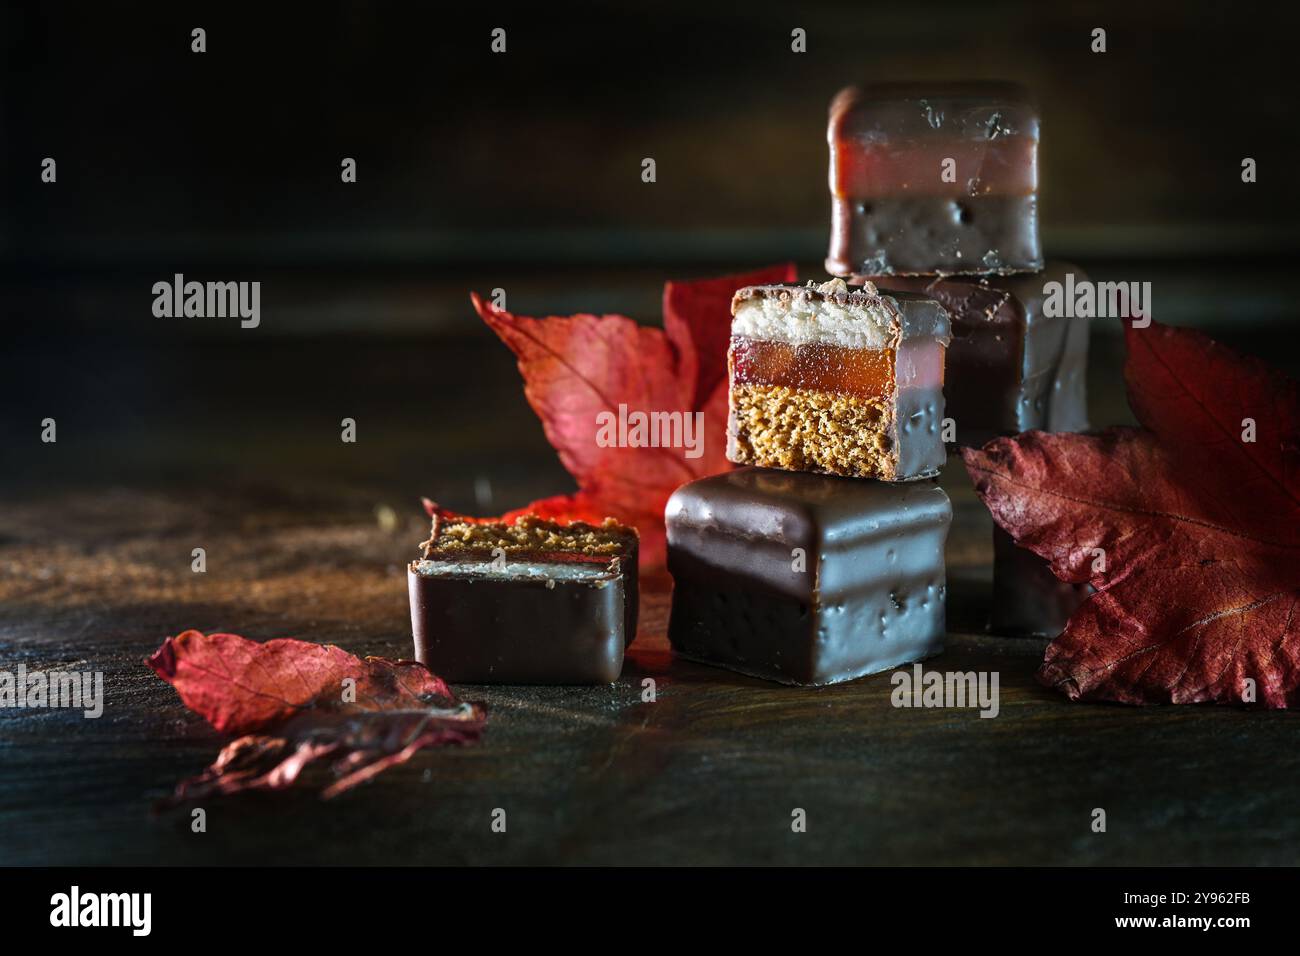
[(709, 773)]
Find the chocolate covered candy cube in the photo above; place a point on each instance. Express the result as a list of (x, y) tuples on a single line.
[(524, 602), (806, 579), (1010, 366), (933, 179), (837, 380)]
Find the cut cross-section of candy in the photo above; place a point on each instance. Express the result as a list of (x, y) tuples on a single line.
[(837, 380), (530, 601)]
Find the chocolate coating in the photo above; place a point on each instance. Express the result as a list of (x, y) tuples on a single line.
[(938, 179), (500, 630), (1009, 367), (868, 593), (974, 111), (921, 235), (1028, 599)]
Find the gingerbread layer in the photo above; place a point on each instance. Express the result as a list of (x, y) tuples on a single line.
[(528, 535), (834, 433)]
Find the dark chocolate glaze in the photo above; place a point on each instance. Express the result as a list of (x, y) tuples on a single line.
[(1009, 368), (974, 110), (1028, 599), (902, 218), (918, 433), (486, 630), (923, 235), (870, 594), (629, 548)]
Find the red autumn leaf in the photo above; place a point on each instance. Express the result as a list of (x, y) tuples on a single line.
[(1189, 532), (582, 371), (697, 321), (289, 701)]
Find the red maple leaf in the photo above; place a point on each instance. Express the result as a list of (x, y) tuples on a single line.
[(576, 368), (294, 703), (1189, 528)]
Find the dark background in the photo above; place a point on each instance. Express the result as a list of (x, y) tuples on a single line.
[(479, 164), (522, 171)]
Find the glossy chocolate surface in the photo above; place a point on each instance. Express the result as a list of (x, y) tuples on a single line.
[(541, 541), (938, 179), (1010, 367), (806, 579), (520, 628)]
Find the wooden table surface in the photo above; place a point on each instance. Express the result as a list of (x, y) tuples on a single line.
[(95, 542)]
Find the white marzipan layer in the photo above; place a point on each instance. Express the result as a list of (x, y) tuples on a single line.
[(514, 570), (808, 319)]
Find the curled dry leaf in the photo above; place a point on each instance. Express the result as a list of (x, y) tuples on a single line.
[(1189, 528), (581, 369), (295, 703)]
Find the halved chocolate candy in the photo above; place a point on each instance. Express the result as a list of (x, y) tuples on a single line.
[(525, 602), (838, 380)]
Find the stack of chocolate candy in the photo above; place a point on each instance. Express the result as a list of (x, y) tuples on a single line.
[(935, 191), (823, 559)]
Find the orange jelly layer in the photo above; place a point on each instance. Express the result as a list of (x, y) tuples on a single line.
[(868, 373)]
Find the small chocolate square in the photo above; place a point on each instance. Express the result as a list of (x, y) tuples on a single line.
[(804, 578), (933, 179), (529, 601), (529, 622)]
